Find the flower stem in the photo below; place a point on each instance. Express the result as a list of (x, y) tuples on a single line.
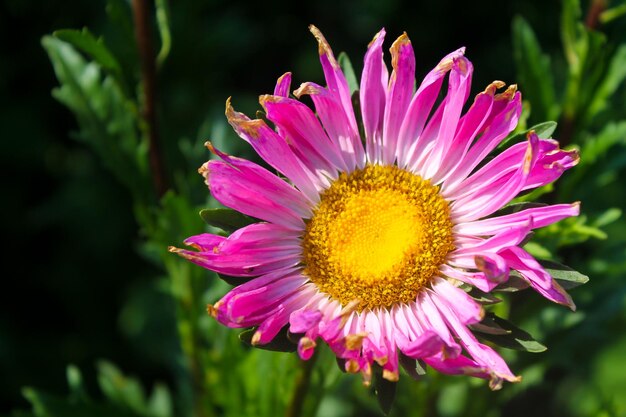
[(302, 384), (143, 36)]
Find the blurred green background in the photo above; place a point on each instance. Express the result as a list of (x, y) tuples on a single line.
[(82, 285)]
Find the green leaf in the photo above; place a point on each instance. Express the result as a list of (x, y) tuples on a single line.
[(412, 367), (108, 120), (517, 207), (384, 390), (160, 403), (120, 389), (348, 70), (46, 405), (163, 23), (564, 275), (534, 72), (280, 343), (513, 284), (543, 130), (614, 77), (84, 41), (226, 219), (482, 297), (234, 281), (505, 334)]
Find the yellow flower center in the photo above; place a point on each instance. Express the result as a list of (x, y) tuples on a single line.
[(378, 235)]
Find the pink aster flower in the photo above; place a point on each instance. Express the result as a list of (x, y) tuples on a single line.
[(367, 240)]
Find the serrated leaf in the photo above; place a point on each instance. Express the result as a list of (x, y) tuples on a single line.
[(348, 71), (515, 338), (384, 390), (567, 277), (226, 219), (534, 72), (280, 343)]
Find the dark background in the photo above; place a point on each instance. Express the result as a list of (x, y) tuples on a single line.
[(71, 263)]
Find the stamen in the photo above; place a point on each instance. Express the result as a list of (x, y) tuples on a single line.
[(378, 235)]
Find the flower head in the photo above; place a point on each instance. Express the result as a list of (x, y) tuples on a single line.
[(368, 243)]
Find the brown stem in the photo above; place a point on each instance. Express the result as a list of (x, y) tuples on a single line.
[(143, 36), (302, 384), (593, 14)]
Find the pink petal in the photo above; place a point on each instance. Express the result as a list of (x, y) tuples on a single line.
[(252, 190), (336, 124), (411, 143), (470, 126), (335, 77), (458, 90), (503, 118), (494, 197), (283, 85), (468, 310), (301, 129), (253, 250), (541, 217), (372, 95), (275, 151), (484, 355), (398, 95), (537, 276)]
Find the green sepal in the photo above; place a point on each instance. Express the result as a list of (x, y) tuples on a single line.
[(567, 277), (503, 333), (280, 343), (226, 219)]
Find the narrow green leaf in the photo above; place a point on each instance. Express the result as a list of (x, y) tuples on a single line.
[(513, 284), (564, 275), (226, 219), (614, 77), (482, 297), (534, 72), (412, 367), (384, 390), (163, 23), (517, 207), (280, 343), (543, 130), (348, 70), (120, 389), (514, 338), (234, 281)]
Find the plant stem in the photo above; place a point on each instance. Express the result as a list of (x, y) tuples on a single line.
[(302, 384), (143, 36)]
